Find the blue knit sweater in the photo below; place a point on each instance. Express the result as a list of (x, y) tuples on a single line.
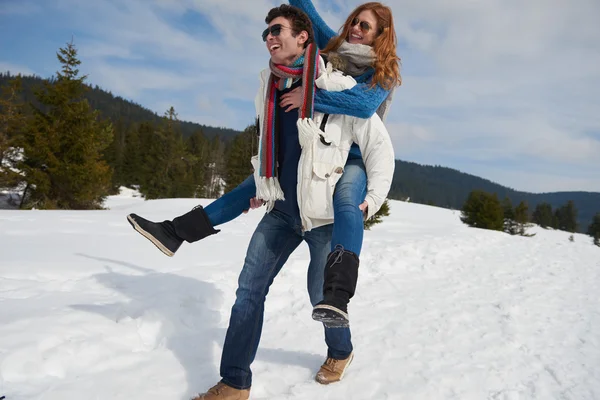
[(361, 101)]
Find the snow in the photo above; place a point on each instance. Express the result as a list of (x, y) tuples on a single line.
[(90, 309)]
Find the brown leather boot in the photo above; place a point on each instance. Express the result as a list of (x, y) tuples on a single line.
[(223, 392), (333, 370)]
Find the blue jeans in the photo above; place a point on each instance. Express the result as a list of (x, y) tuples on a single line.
[(350, 192), (232, 204), (275, 238)]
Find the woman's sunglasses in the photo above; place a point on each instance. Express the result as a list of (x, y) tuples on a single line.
[(274, 30), (364, 25)]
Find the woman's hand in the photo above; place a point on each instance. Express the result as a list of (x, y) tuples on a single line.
[(364, 207), (254, 203), (292, 99)]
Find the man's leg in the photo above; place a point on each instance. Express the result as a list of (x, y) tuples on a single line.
[(272, 243)]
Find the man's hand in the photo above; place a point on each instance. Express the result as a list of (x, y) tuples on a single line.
[(254, 203), (292, 99), (364, 207)]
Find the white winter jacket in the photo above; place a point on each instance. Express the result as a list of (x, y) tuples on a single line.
[(324, 154)]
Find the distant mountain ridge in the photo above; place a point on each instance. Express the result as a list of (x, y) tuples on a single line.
[(449, 188)]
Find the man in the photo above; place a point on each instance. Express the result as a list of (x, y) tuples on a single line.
[(277, 235)]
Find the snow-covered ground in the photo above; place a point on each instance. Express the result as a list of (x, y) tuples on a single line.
[(91, 310)]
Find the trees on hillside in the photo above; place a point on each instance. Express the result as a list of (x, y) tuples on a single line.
[(483, 210), (594, 229), (543, 216), (510, 225), (241, 150), (522, 218), (12, 121), (566, 217), (63, 144)]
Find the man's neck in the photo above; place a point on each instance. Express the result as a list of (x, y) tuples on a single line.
[(290, 61)]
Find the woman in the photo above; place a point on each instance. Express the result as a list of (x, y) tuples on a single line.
[(366, 50)]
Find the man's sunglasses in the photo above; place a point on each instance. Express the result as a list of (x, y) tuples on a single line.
[(274, 30), (364, 25)]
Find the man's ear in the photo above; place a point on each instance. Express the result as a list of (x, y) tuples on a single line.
[(302, 37)]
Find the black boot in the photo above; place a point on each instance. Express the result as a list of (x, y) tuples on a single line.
[(341, 275), (169, 235)]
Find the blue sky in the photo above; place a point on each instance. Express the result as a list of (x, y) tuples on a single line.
[(505, 90)]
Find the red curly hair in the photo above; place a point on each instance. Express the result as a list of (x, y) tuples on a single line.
[(387, 63)]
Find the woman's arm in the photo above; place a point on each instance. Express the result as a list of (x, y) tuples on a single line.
[(362, 101), (378, 155), (323, 33)]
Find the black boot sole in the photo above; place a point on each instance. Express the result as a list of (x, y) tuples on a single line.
[(330, 316), (148, 236)]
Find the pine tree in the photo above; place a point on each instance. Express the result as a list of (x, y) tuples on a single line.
[(522, 218), (215, 170), (114, 154), (12, 121), (594, 229), (197, 148), (384, 211), (510, 225), (483, 210), (166, 171), (543, 216), (64, 142), (240, 151), (136, 145), (566, 217)]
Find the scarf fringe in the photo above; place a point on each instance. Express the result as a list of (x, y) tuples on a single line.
[(308, 132), (268, 189)]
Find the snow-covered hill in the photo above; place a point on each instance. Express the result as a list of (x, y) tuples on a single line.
[(91, 310)]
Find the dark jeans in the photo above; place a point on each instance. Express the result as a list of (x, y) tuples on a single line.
[(275, 238)]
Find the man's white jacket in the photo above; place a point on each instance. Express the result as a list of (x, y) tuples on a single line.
[(324, 153)]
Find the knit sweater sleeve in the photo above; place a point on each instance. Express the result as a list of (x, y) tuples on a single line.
[(323, 33), (361, 101)]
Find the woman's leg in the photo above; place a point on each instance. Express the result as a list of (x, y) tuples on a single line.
[(232, 204), (350, 192), (338, 340), (198, 223), (341, 269)]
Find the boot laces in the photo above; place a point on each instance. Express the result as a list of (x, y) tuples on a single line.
[(217, 389), (338, 253), (330, 364)]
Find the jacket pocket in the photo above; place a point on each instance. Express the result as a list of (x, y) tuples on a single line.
[(319, 196)]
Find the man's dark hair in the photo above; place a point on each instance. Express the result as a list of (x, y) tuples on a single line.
[(300, 21)]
